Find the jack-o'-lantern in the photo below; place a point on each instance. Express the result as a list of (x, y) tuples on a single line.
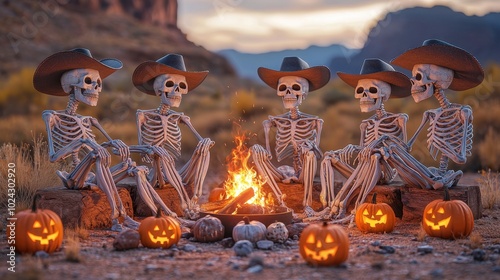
[(159, 232), (375, 217), (449, 219), (324, 244), (37, 230)]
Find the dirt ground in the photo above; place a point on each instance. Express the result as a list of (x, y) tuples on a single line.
[(405, 253)]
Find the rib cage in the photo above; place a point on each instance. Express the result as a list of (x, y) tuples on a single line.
[(388, 125), (446, 134), (67, 128), (291, 133), (160, 130)]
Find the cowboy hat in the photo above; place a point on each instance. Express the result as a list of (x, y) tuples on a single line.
[(317, 76), (378, 69), (47, 77), (467, 72), (145, 74)]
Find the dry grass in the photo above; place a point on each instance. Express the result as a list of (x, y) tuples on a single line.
[(490, 188), (77, 233), (72, 249), (476, 240), (421, 234), (33, 170)]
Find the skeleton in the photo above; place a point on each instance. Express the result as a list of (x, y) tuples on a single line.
[(297, 137), (381, 128), (160, 143), (70, 135), (449, 132)]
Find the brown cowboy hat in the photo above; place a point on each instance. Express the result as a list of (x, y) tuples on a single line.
[(145, 74), (47, 77), (375, 68), (317, 76), (468, 73)]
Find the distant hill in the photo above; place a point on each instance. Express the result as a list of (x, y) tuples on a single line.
[(408, 28), (246, 64)]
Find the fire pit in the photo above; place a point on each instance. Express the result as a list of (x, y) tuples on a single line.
[(244, 195)]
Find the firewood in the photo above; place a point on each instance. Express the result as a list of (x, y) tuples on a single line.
[(214, 205), (243, 197)]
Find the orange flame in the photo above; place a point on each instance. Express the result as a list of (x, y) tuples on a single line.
[(242, 177)]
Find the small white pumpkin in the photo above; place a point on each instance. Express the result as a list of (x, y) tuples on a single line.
[(277, 232)]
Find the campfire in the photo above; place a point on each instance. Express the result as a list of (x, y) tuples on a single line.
[(244, 192)]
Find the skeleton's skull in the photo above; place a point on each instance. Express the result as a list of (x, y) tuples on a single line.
[(371, 94), (86, 83), (171, 87), (426, 77), (293, 90)]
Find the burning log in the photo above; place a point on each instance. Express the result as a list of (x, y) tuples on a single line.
[(243, 197), (212, 206)]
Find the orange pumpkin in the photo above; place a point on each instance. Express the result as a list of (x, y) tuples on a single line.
[(375, 217), (449, 219), (159, 232), (324, 244), (37, 230)]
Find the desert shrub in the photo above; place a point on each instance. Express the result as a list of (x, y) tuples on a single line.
[(489, 151), (490, 188), (243, 103)]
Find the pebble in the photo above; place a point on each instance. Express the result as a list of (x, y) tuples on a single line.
[(425, 249), (127, 239), (496, 269), (265, 244), (462, 259), (479, 255), (227, 242), (376, 243), (186, 235), (256, 260), (438, 272), (243, 248), (189, 248), (386, 250), (41, 254), (255, 269)]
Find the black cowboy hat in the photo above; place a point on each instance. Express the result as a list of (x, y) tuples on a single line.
[(375, 68), (467, 72), (318, 76), (145, 74), (47, 77)]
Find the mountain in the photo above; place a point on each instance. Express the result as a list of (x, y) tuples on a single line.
[(246, 64), (129, 30), (408, 28)]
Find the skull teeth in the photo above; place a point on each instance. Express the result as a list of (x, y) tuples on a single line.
[(419, 89)]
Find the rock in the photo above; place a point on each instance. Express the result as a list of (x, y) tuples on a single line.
[(425, 249), (189, 248), (42, 254), (376, 243), (265, 244), (87, 209), (227, 242), (256, 260), (385, 250), (243, 248), (255, 269), (438, 273), (127, 239), (479, 255), (496, 269), (296, 229)]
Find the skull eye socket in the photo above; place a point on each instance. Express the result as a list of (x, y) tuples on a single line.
[(182, 85), (169, 84), (373, 90), (88, 80), (418, 77), (360, 90), (296, 87), (282, 87)]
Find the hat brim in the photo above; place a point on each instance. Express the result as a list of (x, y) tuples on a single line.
[(468, 73), (318, 76), (145, 74), (47, 77), (400, 84)]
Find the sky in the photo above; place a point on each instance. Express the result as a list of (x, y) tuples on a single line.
[(256, 26)]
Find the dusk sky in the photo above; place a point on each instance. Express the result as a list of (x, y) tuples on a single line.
[(256, 26)]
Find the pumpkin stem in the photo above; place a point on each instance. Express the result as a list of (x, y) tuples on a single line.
[(246, 220), (374, 198), (33, 205), (158, 212), (446, 194)]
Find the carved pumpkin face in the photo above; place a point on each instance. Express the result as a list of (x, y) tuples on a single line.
[(37, 230), (324, 244), (375, 217), (447, 218), (159, 232)]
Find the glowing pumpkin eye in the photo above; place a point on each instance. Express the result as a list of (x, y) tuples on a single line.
[(170, 227), (441, 210), (52, 223), (379, 212), (329, 239), (429, 211), (37, 224), (311, 239), (156, 228), (365, 212)]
